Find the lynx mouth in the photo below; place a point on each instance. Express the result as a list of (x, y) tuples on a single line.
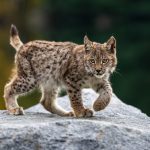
[(98, 75)]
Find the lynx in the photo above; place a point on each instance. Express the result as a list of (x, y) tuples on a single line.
[(50, 65)]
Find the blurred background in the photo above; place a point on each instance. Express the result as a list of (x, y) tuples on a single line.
[(127, 20)]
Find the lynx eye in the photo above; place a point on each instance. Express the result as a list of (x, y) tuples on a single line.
[(92, 61), (104, 61)]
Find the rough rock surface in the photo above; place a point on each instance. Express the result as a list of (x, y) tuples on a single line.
[(118, 127)]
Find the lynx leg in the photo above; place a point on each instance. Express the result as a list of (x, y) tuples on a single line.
[(18, 86), (48, 100), (74, 92), (105, 94), (77, 105)]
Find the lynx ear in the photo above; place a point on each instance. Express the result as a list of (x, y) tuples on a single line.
[(111, 45), (87, 43)]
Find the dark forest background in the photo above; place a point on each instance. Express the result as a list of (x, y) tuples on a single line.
[(69, 20)]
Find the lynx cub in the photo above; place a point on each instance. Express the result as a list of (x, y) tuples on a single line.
[(48, 65)]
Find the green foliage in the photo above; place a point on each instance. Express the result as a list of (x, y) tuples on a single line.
[(62, 92)]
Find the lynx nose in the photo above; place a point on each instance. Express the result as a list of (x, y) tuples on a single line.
[(99, 71)]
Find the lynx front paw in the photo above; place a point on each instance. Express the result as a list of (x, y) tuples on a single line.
[(100, 104), (84, 113), (16, 111), (88, 113)]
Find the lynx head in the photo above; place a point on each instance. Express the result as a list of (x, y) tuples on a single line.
[(100, 59)]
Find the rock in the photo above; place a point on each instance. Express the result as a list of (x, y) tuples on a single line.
[(118, 127)]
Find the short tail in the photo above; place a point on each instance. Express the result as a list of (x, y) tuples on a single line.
[(14, 38)]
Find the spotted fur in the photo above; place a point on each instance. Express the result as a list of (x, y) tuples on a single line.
[(49, 65)]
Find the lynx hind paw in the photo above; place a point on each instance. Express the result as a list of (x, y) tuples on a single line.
[(69, 114), (16, 111)]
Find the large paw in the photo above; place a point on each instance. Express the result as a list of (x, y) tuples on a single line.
[(100, 104), (16, 111), (84, 113)]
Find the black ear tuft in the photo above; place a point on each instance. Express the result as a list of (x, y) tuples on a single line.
[(111, 44), (87, 43)]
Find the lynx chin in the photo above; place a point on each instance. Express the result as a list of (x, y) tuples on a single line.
[(50, 65)]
